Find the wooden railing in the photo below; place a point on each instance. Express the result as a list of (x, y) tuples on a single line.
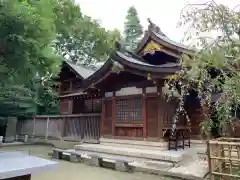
[(224, 158), (75, 127)]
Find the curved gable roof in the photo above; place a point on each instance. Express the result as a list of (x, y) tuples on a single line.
[(155, 33), (129, 61)]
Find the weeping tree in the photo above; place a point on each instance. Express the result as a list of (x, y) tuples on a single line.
[(213, 71)]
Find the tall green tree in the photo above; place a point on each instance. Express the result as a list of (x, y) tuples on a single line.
[(132, 29), (80, 38), (215, 68), (27, 50), (35, 36)]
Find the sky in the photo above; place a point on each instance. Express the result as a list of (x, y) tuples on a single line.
[(164, 13)]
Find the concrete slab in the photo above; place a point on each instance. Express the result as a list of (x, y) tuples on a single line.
[(14, 164), (172, 156)]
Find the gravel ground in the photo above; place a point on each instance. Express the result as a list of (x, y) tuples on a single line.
[(77, 171)]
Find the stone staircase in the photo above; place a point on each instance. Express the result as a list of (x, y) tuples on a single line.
[(139, 156), (152, 154)]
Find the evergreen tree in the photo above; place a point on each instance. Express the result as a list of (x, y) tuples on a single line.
[(132, 29)]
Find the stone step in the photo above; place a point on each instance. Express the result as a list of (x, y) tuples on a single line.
[(190, 170), (137, 146), (153, 154), (109, 160), (133, 142)]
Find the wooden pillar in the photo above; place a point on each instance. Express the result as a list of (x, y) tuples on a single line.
[(160, 110), (113, 113), (103, 115), (144, 114)]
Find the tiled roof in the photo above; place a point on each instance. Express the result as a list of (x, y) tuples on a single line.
[(134, 60), (81, 70), (174, 43)]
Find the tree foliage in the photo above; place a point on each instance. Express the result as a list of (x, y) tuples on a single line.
[(35, 36), (26, 36), (214, 70), (132, 29), (80, 38)]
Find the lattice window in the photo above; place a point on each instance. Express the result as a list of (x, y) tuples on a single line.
[(129, 110)]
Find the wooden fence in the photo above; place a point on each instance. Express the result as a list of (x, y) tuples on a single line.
[(224, 158), (80, 127)]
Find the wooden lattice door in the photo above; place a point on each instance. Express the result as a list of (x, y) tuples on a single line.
[(107, 121), (152, 116)]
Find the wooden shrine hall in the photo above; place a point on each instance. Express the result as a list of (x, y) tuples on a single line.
[(126, 91)]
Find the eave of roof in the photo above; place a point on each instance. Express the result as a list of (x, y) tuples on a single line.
[(80, 70), (71, 95), (171, 44), (127, 60), (98, 74)]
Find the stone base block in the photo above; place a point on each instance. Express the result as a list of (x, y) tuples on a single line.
[(73, 158), (91, 161), (57, 155), (123, 167), (76, 158), (107, 163)]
